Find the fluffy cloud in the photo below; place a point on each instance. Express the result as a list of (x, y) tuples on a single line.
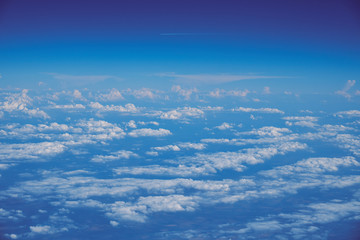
[(143, 93), (9, 152), (11, 215), (217, 93), (260, 110), (128, 108), (350, 113), (182, 113), (312, 165), (122, 154), (148, 132), (186, 93), (224, 126), (270, 131), (19, 103), (113, 95), (76, 106)]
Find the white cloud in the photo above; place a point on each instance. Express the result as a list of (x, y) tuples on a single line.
[(122, 154), (143, 93), (350, 113), (45, 229), (10, 215), (128, 108), (148, 132), (152, 153), (69, 106), (270, 131), (77, 94), (167, 148), (224, 126), (113, 95), (217, 93), (189, 145), (182, 113), (131, 124), (312, 165), (20, 102), (186, 93), (302, 121), (30, 150), (345, 91), (261, 110)]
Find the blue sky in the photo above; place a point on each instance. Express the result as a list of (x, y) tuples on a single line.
[(179, 120), (304, 43)]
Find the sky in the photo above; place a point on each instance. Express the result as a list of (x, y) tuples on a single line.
[(299, 43), (179, 120)]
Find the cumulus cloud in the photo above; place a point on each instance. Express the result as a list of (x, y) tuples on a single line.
[(217, 93), (122, 154), (10, 215), (9, 152), (76, 106), (182, 113), (224, 126), (19, 103), (143, 93), (261, 110), (113, 95), (349, 113), (270, 131), (313, 165), (148, 132), (302, 121), (128, 108), (186, 93)]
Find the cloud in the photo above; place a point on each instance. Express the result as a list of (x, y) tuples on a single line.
[(224, 126), (77, 94), (266, 90), (113, 95), (76, 106), (19, 103), (143, 93), (45, 229), (212, 78), (186, 93), (167, 148), (302, 121), (270, 131), (349, 113), (181, 113), (119, 155), (148, 132), (345, 91), (11, 215), (10, 152), (180, 146), (217, 93), (128, 108), (312, 165), (261, 110)]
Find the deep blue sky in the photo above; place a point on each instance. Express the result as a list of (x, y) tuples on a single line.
[(312, 42)]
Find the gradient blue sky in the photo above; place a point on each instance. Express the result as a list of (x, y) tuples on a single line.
[(146, 43)]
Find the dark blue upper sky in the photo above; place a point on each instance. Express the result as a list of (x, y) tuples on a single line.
[(311, 41)]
